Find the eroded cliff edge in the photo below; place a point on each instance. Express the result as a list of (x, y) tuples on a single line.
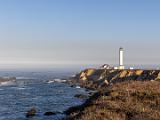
[(98, 78), (121, 95)]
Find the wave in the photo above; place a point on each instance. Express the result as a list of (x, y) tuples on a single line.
[(7, 83), (21, 88), (78, 87), (57, 80), (23, 78)]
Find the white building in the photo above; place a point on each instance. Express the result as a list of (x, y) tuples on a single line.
[(121, 58), (105, 66)]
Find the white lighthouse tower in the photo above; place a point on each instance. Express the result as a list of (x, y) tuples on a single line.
[(121, 52)]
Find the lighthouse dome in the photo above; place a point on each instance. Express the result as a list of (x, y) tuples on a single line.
[(121, 48)]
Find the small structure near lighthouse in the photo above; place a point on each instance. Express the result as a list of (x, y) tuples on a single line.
[(121, 62)]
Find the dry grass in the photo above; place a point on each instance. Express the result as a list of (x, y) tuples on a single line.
[(133, 100)]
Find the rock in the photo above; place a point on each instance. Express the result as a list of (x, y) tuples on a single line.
[(106, 82), (87, 90), (90, 71), (93, 78), (49, 113), (80, 96), (139, 72), (87, 73), (83, 76), (123, 74), (72, 86), (158, 76), (6, 79), (90, 93), (31, 112)]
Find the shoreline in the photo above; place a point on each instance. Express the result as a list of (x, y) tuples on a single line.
[(128, 79)]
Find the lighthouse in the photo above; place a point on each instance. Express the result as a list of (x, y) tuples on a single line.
[(121, 52)]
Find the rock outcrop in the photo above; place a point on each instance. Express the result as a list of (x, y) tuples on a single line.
[(31, 113), (120, 95), (130, 100), (6, 79), (95, 78), (49, 113), (81, 96)]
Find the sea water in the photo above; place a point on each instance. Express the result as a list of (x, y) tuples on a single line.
[(33, 89)]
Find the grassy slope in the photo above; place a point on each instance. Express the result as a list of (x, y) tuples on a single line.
[(132, 100)]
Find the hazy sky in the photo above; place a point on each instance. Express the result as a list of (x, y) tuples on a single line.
[(79, 31)]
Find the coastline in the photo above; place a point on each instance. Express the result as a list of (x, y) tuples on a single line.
[(122, 86)]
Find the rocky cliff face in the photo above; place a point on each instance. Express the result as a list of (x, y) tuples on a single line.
[(135, 96), (102, 77)]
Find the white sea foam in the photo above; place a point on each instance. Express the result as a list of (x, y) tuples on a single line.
[(23, 78), (57, 80), (21, 88), (7, 83), (78, 87), (51, 81)]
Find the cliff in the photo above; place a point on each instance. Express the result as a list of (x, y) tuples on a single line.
[(131, 100), (121, 95), (97, 78)]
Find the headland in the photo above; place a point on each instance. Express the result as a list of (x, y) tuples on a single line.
[(120, 95)]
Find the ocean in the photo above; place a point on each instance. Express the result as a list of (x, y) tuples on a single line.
[(37, 89)]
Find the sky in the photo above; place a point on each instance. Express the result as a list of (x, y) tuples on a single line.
[(46, 32)]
